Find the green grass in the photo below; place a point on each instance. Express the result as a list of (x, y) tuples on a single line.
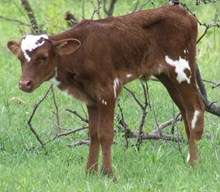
[(159, 166)]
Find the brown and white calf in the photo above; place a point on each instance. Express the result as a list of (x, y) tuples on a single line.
[(93, 60)]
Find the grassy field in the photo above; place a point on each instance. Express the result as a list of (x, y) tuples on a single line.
[(159, 166)]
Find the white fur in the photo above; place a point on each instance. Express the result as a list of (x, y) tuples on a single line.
[(54, 81), (30, 42), (188, 157), (115, 86), (195, 118), (104, 102), (67, 93), (129, 75), (180, 65)]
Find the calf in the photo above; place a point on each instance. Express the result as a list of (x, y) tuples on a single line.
[(93, 60)]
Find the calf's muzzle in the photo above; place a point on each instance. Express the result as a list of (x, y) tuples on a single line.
[(26, 85)]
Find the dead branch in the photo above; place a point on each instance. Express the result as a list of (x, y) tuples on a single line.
[(34, 26), (198, 2), (167, 123), (15, 21), (207, 26), (211, 107), (153, 136), (144, 113), (56, 107), (70, 131), (135, 6), (32, 115), (109, 12), (143, 4), (97, 10), (214, 84), (82, 142), (78, 115)]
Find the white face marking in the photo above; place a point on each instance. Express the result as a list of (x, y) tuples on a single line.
[(30, 42), (180, 65), (195, 118), (104, 102), (115, 86), (129, 75), (188, 157)]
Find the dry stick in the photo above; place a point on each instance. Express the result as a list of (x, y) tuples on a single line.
[(82, 142), (123, 124), (109, 12), (96, 11), (56, 107), (211, 107), (153, 136), (32, 115), (135, 6), (214, 84), (143, 4), (165, 124), (83, 9), (35, 28), (68, 132), (144, 113), (207, 26), (78, 115), (15, 20)]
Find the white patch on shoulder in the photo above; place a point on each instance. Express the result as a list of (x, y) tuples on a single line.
[(31, 42), (129, 75), (180, 65), (115, 86), (195, 118)]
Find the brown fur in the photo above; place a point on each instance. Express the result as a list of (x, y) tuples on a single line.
[(94, 59)]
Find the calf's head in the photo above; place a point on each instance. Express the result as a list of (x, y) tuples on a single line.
[(39, 56)]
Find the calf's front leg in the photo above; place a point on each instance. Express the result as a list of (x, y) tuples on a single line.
[(92, 163)]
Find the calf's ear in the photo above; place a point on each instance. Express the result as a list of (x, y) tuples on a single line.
[(66, 46), (14, 46)]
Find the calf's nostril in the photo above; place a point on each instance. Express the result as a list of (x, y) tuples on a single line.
[(28, 83)]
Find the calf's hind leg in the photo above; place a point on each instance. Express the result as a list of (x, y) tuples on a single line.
[(194, 114)]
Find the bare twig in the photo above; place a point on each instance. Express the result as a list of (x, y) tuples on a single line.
[(70, 131), (32, 115), (153, 136), (144, 113), (15, 20), (34, 26), (97, 10), (56, 107), (109, 12), (165, 124), (78, 115), (82, 142), (214, 84), (135, 6)]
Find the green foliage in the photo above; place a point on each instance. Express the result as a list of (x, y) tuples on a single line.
[(159, 166)]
